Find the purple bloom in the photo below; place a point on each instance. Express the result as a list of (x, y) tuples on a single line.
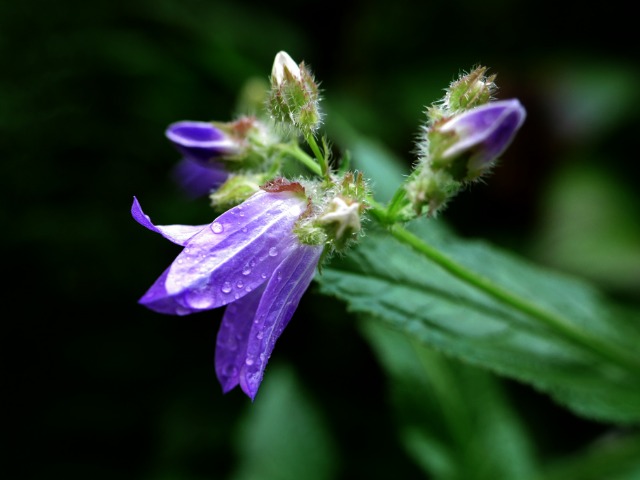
[(485, 132), (196, 179), (201, 141), (249, 259), (202, 145)]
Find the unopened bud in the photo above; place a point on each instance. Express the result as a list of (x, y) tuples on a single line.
[(294, 97), (202, 141), (476, 138)]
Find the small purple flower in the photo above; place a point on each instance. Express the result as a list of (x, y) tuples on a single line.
[(485, 132), (202, 145), (201, 141), (248, 259)]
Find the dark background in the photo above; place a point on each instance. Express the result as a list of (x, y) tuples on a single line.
[(103, 388)]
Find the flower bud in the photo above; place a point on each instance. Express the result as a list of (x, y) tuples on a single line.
[(202, 141), (294, 96), (459, 149), (476, 138), (340, 219), (470, 90)]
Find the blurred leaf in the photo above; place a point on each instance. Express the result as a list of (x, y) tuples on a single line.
[(589, 227), (448, 435), (613, 458), (282, 436), (390, 281)]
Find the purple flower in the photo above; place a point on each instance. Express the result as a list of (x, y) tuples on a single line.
[(196, 179), (201, 141), (248, 259), (202, 145), (484, 132)]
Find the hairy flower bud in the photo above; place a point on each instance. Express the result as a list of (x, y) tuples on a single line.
[(476, 138), (294, 96), (460, 149)]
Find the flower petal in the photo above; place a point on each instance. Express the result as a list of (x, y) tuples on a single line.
[(279, 301), (179, 234), (197, 179), (232, 257), (231, 342), (489, 129)]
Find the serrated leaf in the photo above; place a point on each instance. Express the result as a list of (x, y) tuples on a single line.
[(391, 281)]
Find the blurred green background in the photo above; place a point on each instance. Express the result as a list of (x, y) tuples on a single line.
[(102, 388)]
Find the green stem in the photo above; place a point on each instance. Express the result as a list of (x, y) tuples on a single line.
[(556, 322), (299, 154), (316, 151)]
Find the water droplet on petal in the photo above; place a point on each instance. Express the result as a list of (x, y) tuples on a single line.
[(263, 275), (273, 251), (239, 284), (217, 227), (249, 361), (260, 335), (246, 270), (226, 287), (248, 289)]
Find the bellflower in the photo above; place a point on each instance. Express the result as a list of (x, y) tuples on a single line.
[(248, 259)]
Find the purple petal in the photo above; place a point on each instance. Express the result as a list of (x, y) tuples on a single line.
[(196, 179), (278, 303), (201, 141), (179, 234), (489, 129), (231, 342), (230, 258)]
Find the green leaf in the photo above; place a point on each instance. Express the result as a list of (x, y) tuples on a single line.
[(283, 436), (616, 457), (449, 436), (389, 280)]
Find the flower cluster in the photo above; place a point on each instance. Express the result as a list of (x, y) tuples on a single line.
[(270, 234)]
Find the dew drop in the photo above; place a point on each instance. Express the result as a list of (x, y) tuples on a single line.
[(236, 296), (217, 227), (263, 275), (249, 361), (246, 270), (239, 284), (248, 289), (226, 287), (273, 251), (260, 335)]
